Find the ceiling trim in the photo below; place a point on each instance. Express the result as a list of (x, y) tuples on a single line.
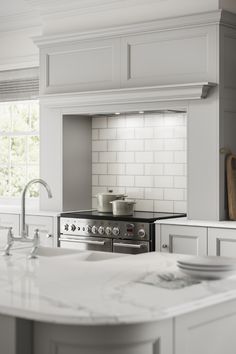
[(149, 26), (163, 93)]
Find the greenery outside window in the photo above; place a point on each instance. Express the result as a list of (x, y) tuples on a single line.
[(19, 148)]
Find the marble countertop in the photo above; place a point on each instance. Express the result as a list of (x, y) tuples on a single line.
[(70, 290), (184, 221)]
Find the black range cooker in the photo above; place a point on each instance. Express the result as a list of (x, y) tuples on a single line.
[(91, 230)]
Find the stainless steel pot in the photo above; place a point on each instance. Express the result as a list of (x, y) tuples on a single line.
[(104, 201), (123, 207)]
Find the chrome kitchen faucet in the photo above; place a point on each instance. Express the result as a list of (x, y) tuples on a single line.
[(24, 237)]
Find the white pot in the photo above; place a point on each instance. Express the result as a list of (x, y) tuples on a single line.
[(123, 207), (104, 201)]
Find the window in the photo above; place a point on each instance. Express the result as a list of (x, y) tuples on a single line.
[(19, 147)]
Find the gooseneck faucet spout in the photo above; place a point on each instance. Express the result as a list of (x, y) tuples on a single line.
[(28, 185)]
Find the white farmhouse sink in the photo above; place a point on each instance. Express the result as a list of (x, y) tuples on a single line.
[(84, 256)]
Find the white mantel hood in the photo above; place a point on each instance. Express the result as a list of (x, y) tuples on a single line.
[(163, 93)]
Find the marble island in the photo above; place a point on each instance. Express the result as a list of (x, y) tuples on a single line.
[(89, 302)]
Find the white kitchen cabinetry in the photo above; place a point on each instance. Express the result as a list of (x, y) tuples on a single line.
[(8, 220), (222, 242), (45, 225), (181, 239), (169, 57), (80, 66)]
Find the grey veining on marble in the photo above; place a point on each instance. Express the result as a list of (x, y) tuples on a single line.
[(68, 290)]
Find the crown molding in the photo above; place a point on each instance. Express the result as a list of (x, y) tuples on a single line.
[(208, 18), (164, 93)]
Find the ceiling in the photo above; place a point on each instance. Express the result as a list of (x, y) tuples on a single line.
[(13, 7)]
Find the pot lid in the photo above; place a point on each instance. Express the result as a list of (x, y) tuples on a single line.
[(112, 193)]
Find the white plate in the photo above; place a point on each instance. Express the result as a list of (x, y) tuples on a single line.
[(209, 261), (206, 275), (214, 269)]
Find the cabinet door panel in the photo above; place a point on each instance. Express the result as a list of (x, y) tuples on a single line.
[(45, 226), (222, 242), (78, 67), (184, 239), (8, 220)]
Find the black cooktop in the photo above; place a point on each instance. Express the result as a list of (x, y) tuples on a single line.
[(143, 216)]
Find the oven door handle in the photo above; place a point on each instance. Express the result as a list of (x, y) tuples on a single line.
[(89, 242), (130, 245)]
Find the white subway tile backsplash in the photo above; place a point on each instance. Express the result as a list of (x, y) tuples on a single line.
[(107, 156), (164, 205), (134, 169), (154, 169), (125, 181), (107, 180), (180, 157), (144, 133), (173, 194), (174, 169), (95, 156), (144, 181), (95, 134), (125, 156), (164, 132), (95, 180), (164, 156), (143, 155), (99, 168), (154, 193), (116, 169), (136, 193), (99, 145), (180, 182), (174, 144), (99, 122), (164, 181), (134, 145), (116, 145), (180, 206), (98, 189), (154, 120), (107, 133), (134, 121), (125, 133), (144, 205), (116, 122), (154, 145)]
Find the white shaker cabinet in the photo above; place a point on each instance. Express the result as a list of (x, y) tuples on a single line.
[(46, 227), (8, 220), (181, 239), (222, 242)]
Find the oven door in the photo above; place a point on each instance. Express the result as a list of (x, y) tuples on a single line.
[(130, 247), (86, 243)]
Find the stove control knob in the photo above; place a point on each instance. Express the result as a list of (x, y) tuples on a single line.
[(101, 230), (94, 230), (108, 231), (141, 233), (88, 229), (66, 227), (116, 231), (73, 227)]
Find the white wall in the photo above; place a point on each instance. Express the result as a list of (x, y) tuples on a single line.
[(143, 155)]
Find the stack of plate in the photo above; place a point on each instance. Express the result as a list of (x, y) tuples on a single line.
[(210, 267)]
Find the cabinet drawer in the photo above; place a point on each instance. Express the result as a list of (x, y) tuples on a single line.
[(222, 242), (45, 226), (183, 239)]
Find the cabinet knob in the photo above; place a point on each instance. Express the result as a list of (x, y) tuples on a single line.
[(49, 236), (164, 245)]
